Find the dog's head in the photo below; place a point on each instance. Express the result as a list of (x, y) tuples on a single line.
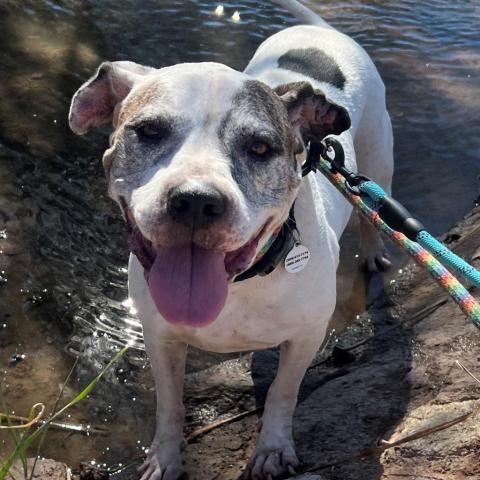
[(205, 164)]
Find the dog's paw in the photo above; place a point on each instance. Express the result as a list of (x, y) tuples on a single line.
[(155, 469), (377, 261), (271, 463)]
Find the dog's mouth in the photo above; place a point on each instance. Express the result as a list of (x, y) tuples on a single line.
[(189, 283)]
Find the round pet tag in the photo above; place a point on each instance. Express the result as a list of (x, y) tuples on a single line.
[(297, 258)]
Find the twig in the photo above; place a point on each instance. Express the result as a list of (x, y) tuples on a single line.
[(409, 475), (413, 320), (58, 425), (466, 370), (387, 445), (207, 428)]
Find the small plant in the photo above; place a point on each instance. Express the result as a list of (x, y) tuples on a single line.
[(25, 439)]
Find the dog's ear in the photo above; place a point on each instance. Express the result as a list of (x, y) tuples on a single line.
[(94, 102), (310, 113)]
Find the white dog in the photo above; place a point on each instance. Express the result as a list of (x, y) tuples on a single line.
[(205, 163)]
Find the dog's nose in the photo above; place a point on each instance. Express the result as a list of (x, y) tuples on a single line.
[(198, 206)]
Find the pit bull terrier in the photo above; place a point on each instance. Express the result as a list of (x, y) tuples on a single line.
[(205, 163)]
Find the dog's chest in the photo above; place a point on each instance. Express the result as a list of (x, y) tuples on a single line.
[(260, 313)]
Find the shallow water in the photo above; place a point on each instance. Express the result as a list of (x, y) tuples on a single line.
[(63, 251)]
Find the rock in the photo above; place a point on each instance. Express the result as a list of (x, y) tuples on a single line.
[(438, 444), (45, 469), (136, 360), (89, 472)]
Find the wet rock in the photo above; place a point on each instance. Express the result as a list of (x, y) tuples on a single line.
[(223, 389), (136, 360)]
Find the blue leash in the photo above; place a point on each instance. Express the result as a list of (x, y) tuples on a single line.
[(414, 230)]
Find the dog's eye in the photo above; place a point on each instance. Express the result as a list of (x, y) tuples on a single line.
[(150, 131), (260, 149)]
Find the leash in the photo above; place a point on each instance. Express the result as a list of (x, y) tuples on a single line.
[(392, 219)]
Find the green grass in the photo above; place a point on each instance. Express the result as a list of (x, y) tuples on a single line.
[(25, 439)]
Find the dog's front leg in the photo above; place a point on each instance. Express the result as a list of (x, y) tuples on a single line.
[(164, 459), (275, 454)]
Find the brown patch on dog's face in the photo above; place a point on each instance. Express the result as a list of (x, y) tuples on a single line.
[(151, 91)]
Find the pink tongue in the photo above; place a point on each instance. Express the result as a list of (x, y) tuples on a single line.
[(188, 284)]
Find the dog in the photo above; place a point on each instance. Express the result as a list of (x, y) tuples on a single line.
[(205, 163)]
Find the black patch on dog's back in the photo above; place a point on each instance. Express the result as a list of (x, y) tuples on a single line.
[(313, 63)]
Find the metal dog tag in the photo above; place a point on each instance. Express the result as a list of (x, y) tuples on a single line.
[(297, 258)]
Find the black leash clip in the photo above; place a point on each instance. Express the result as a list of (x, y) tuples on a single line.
[(314, 152), (337, 163)]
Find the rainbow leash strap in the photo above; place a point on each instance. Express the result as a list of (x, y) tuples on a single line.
[(394, 221)]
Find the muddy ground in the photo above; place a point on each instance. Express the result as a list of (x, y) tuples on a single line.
[(393, 373)]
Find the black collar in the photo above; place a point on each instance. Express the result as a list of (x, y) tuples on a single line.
[(276, 253)]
